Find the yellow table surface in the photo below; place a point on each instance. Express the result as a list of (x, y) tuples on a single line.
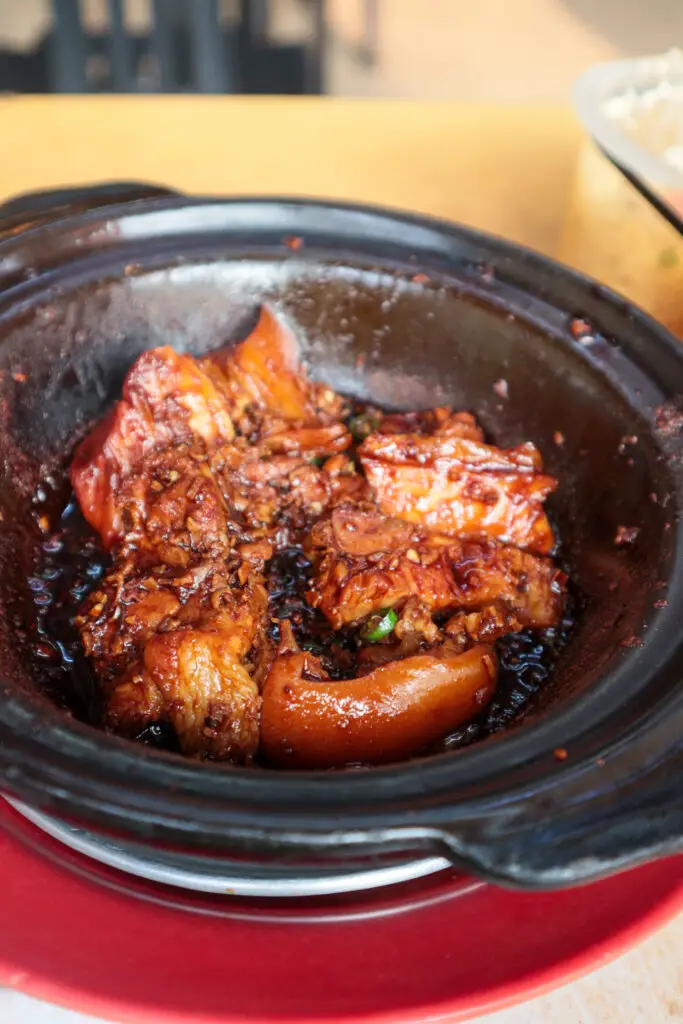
[(504, 169)]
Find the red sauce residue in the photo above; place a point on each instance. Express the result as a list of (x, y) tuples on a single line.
[(632, 641), (626, 535), (579, 328)]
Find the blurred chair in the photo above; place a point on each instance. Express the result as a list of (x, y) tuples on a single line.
[(190, 47)]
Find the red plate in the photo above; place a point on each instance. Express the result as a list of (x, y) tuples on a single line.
[(91, 939)]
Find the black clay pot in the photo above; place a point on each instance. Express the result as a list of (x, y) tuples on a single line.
[(439, 313)]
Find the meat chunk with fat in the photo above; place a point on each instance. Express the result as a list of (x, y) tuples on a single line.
[(262, 376), (280, 497), (172, 400), (184, 503), (462, 487), (132, 605), (185, 647), (367, 562), (173, 510), (190, 679), (167, 399)]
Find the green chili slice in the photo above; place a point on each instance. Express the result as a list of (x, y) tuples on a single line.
[(381, 625)]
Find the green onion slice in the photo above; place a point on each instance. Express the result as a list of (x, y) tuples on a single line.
[(362, 426), (381, 626)]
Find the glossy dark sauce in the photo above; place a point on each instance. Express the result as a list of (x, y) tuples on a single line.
[(287, 579), (71, 561), (69, 565)]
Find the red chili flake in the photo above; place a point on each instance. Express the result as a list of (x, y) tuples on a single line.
[(486, 272), (653, 498), (293, 242), (626, 535), (558, 438), (668, 419), (600, 762), (583, 451), (44, 523), (612, 586), (630, 463), (626, 442), (579, 328), (667, 527), (420, 278), (20, 378), (360, 361), (501, 388), (661, 604), (560, 754), (45, 651), (632, 641)]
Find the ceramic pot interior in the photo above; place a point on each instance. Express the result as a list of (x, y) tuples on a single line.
[(378, 332)]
